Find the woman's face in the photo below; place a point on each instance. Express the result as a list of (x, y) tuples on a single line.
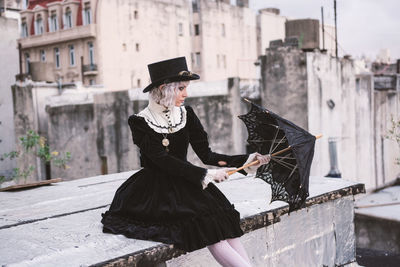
[(181, 95)]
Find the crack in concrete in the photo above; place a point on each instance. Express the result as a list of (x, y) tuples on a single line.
[(50, 217)]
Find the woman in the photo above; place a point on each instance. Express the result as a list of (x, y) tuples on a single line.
[(170, 200)]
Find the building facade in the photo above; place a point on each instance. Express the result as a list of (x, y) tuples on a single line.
[(9, 17), (58, 41), (110, 43)]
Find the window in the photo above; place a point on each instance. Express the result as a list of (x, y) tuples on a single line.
[(87, 14), (137, 47), (196, 29), (223, 30), (198, 59), (39, 29), (91, 53), (217, 61), (25, 4), (91, 82), (24, 29), (135, 14), (192, 58), (57, 57), (68, 18), (180, 29), (53, 22), (71, 55), (27, 63), (224, 61), (138, 83), (195, 6), (42, 55)]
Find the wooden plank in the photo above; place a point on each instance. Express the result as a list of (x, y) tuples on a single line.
[(21, 186)]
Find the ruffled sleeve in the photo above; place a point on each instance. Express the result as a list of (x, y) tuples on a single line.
[(198, 139), (149, 143)]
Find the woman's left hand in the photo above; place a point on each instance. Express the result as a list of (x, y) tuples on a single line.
[(263, 159)]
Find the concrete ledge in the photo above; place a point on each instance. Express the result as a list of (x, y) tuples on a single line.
[(60, 224), (377, 220)]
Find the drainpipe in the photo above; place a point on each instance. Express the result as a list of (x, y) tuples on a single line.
[(334, 171), (20, 61), (59, 84)]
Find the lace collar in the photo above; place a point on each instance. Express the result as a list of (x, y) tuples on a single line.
[(160, 118)]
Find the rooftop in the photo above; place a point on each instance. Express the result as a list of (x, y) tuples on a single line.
[(61, 222)]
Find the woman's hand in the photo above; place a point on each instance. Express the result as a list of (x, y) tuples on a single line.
[(216, 175), (263, 159)]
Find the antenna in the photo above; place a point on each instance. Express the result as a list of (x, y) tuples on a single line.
[(323, 28), (336, 46)]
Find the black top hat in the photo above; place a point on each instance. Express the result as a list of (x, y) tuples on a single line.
[(167, 71)]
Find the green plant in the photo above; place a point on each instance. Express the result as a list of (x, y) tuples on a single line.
[(394, 134), (28, 142)]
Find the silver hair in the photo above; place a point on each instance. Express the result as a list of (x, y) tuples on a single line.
[(165, 94)]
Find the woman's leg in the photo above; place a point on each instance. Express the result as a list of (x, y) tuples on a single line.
[(238, 247), (226, 255)]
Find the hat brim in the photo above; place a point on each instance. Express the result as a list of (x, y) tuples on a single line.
[(177, 78)]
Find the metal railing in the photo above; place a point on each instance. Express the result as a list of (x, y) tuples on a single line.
[(90, 67)]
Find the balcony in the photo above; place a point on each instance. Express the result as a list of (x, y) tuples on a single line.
[(59, 36), (90, 69)]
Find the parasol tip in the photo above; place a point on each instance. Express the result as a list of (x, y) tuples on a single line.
[(318, 136), (246, 100)]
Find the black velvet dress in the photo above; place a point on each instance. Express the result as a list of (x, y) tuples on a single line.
[(165, 201)]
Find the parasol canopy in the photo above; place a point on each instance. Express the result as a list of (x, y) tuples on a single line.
[(291, 149)]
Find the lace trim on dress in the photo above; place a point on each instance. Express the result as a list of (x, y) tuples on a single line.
[(156, 117)]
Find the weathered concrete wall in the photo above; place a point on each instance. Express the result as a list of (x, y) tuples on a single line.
[(347, 149), (323, 236), (113, 135), (364, 124), (8, 67), (284, 84), (324, 95), (24, 120), (96, 132), (73, 128), (386, 104), (323, 85), (332, 112)]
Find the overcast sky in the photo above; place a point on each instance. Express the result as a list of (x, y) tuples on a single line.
[(364, 26)]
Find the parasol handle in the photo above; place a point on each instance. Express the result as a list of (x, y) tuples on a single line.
[(272, 155)]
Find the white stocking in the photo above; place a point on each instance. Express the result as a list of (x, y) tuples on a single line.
[(238, 247), (226, 255)]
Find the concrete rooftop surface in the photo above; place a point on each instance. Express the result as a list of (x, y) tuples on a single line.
[(384, 204), (60, 223)]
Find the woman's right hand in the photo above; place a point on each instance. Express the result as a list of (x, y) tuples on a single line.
[(216, 175), (219, 175)]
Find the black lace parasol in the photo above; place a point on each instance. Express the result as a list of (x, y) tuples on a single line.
[(291, 149)]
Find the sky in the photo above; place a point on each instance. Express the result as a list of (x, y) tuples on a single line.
[(364, 26)]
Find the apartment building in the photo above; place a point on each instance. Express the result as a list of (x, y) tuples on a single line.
[(110, 43), (58, 40)]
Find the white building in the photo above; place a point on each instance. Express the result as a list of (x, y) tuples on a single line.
[(111, 42)]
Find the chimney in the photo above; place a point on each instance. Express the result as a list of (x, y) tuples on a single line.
[(334, 171)]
